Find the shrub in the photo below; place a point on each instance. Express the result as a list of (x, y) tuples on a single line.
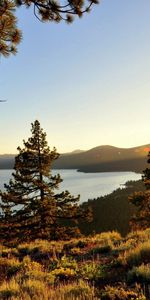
[(49, 278), (75, 251), (105, 238), (9, 289), (28, 265), (112, 235), (120, 293), (140, 274), (136, 256), (41, 249), (73, 243), (75, 291), (92, 271), (139, 235), (68, 262), (9, 267), (6, 252), (79, 291), (140, 254), (64, 273), (34, 288), (126, 244), (105, 242)]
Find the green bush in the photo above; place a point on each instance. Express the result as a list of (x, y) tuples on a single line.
[(68, 262), (92, 271)]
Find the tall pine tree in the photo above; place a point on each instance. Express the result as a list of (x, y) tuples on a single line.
[(141, 200), (31, 205)]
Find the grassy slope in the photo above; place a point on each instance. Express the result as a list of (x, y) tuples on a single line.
[(104, 266)]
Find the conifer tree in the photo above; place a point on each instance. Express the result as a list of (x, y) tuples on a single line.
[(10, 35), (31, 206), (141, 200)]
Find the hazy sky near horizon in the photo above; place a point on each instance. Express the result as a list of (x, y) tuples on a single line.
[(87, 83)]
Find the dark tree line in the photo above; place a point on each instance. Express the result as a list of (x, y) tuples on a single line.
[(141, 200)]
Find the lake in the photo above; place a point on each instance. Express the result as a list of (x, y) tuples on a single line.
[(88, 185)]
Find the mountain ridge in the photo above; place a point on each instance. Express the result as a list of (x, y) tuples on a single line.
[(104, 158)]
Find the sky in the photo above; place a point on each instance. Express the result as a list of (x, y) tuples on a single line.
[(87, 83)]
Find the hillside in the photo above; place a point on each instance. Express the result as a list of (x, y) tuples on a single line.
[(113, 211), (98, 159), (106, 159), (7, 161), (101, 267)]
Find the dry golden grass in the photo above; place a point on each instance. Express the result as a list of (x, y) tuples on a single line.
[(80, 269)]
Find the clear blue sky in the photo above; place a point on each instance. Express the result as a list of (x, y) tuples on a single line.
[(88, 83)]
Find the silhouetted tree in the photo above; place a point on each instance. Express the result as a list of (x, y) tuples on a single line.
[(44, 10), (146, 176), (141, 218), (31, 206)]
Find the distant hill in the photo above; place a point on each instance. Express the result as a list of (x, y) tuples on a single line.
[(99, 159), (7, 161), (76, 151), (105, 159)]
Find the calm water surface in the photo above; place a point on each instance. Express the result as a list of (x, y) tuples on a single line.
[(88, 185)]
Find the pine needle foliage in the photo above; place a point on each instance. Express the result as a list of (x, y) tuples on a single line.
[(32, 207), (44, 10), (141, 200), (10, 35), (53, 10)]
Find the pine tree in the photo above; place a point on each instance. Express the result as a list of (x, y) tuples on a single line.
[(31, 205), (141, 200), (10, 35)]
